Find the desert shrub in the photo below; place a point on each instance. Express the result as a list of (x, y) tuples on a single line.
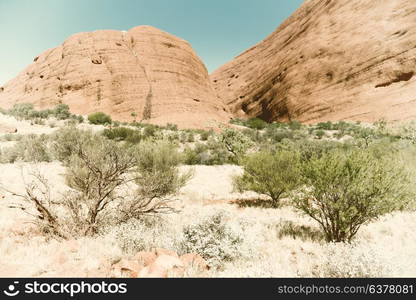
[(99, 118), (149, 130), (311, 148), (213, 239), (8, 137), (61, 112), (191, 137), (341, 260), (27, 111), (78, 118), (277, 135), (256, 123), (30, 148), (295, 125), (205, 135), (96, 170), (123, 134), (346, 189), (172, 127), (145, 234), (271, 174), (324, 126), (158, 179), (211, 153), (319, 134), (65, 142), (236, 143), (21, 110)]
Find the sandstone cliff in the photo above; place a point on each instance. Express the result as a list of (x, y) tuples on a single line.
[(331, 60), (144, 71)]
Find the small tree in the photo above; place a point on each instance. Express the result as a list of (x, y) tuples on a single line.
[(271, 174), (344, 190), (235, 142), (96, 170), (99, 118)]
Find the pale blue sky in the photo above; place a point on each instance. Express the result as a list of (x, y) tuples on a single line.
[(217, 29)]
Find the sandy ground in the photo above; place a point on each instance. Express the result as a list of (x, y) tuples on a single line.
[(388, 244)]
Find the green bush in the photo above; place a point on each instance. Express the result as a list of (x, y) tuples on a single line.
[(346, 189), (295, 125), (123, 134), (271, 174), (256, 123), (325, 126), (157, 177), (205, 135), (61, 112), (65, 142), (320, 134), (236, 143), (21, 110), (99, 118)]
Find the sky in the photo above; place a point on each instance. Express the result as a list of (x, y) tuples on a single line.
[(218, 30)]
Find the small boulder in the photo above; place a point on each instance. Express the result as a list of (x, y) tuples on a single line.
[(145, 257), (194, 260), (161, 251)]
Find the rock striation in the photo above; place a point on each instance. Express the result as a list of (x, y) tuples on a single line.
[(331, 60)]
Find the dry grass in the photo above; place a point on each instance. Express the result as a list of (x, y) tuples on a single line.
[(274, 242)]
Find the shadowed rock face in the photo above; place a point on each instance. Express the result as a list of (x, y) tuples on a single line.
[(331, 60), (143, 71)]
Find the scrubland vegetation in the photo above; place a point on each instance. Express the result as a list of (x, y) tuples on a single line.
[(315, 191)]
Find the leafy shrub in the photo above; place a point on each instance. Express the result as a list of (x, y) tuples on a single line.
[(256, 123), (213, 239), (65, 142), (99, 118), (271, 174), (61, 112), (21, 110), (123, 134), (320, 134), (27, 111), (172, 127), (277, 135), (324, 126), (157, 177), (235, 142), (295, 125), (344, 190), (205, 135), (30, 148), (149, 130), (191, 137)]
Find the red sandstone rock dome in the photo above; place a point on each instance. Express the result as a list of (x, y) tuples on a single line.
[(331, 60), (144, 71)]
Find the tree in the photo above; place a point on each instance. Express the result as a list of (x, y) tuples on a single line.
[(271, 174), (346, 189), (235, 142)]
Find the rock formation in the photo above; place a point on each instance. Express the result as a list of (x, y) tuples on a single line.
[(331, 60), (144, 72)]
